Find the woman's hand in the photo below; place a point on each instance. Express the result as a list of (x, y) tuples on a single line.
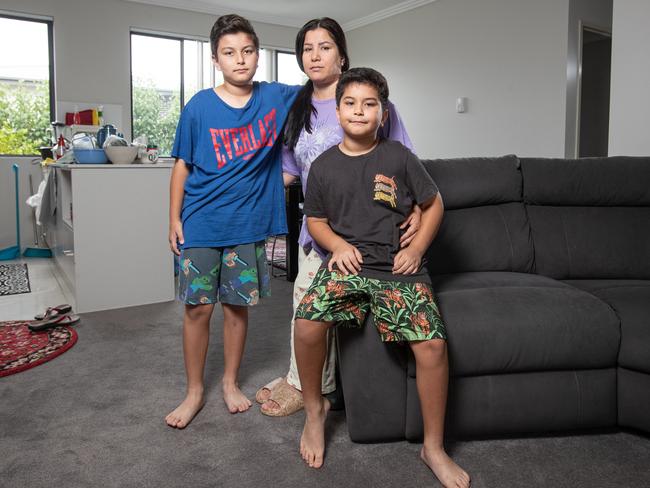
[(407, 261), (175, 236), (288, 178), (411, 224), (347, 259)]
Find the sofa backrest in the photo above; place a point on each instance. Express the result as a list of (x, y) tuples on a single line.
[(485, 227), (590, 217)]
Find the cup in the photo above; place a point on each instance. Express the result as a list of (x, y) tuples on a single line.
[(152, 153)]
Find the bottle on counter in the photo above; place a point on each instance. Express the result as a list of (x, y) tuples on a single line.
[(60, 148), (76, 118)]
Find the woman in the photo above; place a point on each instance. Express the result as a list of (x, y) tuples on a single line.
[(312, 128)]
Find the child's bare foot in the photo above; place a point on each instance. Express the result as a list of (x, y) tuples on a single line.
[(446, 470), (312, 441), (235, 400), (185, 412)]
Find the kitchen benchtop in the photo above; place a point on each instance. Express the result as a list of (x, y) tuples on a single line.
[(76, 166)]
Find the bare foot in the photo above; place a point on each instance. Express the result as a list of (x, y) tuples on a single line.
[(312, 441), (264, 393), (185, 412), (235, 400), (446, 470)]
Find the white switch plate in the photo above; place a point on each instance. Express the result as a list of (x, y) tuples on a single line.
[(461, 105)]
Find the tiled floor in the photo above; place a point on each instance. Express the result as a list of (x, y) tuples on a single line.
[(46, 291)]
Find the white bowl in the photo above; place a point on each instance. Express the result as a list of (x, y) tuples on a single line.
[(121, 154)]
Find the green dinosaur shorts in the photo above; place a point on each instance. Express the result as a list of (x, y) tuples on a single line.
[(402, 311), (237, 275)]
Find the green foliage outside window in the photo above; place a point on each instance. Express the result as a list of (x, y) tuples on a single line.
[(24, 117), (156, 116)]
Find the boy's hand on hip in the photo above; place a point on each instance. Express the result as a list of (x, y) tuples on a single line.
[(175, 236), (407, 261), (347, 258)]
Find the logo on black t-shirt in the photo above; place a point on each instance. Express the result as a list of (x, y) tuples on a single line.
[(385, 190)]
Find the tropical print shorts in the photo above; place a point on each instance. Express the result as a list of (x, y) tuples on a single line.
[(236, 275), (402, 311)]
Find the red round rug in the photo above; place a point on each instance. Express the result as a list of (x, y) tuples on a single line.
[(21, 349)]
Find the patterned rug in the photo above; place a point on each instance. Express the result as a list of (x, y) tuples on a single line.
[(21, 349), (14, 279), (278, 256)]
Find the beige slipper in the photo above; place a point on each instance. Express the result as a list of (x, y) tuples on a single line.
[(287, 397), (269, 386)]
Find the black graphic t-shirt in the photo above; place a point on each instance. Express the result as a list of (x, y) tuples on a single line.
[(366, 198)]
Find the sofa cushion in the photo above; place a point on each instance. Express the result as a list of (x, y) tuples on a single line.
[(469, 281), (524, 323), (515, 404), (474, 182), (485, 227), (489, 238), (593, 286), (630, 299), (590, 217), (611, 182), (633, 399), (591, 242)]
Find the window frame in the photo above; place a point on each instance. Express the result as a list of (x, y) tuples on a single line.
[(158, 35), (50, 54), (182, 38), (276, 62)]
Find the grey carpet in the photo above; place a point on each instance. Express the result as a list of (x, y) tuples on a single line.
[(94, 417)]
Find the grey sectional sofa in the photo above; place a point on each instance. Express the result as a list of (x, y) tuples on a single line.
[(542, 273)]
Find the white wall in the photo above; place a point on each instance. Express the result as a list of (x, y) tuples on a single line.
[(92, 65), (508, 57), (629, 122), (595, 14)]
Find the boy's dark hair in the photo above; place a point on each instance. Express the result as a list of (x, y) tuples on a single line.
[(300, 114), (365, 76), (231, 24)]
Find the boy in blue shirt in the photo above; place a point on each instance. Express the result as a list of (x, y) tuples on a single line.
[(226, 197), (357, 219)]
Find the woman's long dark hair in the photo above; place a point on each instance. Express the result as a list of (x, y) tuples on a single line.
[(300, 113)]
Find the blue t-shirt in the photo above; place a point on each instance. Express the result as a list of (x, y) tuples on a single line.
[(234, 192)]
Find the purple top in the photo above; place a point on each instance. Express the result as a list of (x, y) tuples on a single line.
[(326, 132)]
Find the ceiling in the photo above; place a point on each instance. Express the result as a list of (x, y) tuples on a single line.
[(294, 13)]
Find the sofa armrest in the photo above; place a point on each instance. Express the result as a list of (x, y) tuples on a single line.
[(373, 378)]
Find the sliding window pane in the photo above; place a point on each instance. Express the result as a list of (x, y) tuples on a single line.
[(211, 76), (25, 111), (288, 70), (264, 64), (156, 79), (192, 68)]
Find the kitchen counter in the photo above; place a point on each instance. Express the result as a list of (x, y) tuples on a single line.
[(76, 166), (108, 234)]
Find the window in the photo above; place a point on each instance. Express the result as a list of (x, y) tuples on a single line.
[(26, 85), (156, 86), (166, 71), (288, 70)]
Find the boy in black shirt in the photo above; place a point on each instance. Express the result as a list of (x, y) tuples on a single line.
[(358, 194)]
